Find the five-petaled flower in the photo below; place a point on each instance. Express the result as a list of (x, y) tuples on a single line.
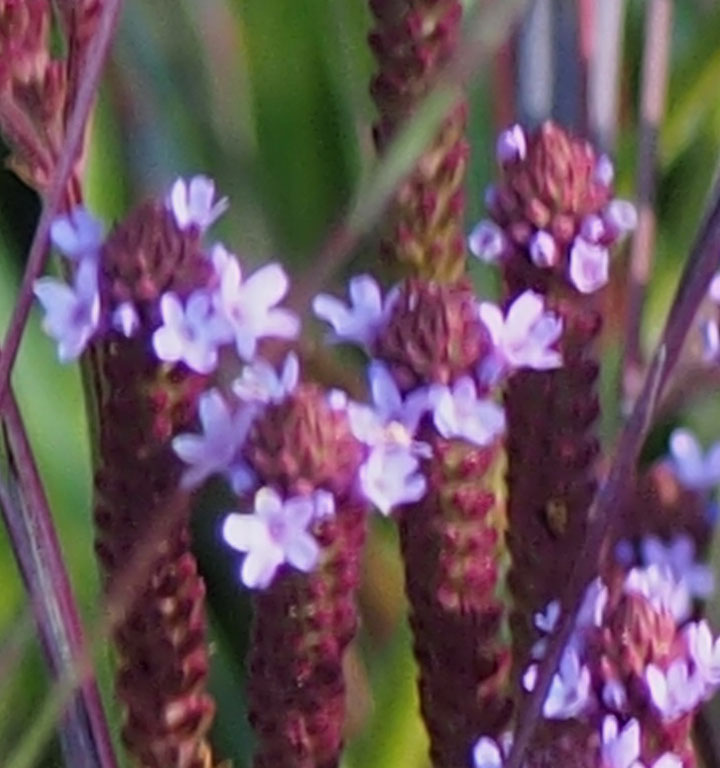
[(72, 314), (78, 234), (459, 412), (260, 383), (249, 306), (694, 469), (216, 451), (679, 556), (390, 477), (193, 203), (276, 532)]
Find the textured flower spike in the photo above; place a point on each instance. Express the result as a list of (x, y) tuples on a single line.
[(304, 450), (412, 41)]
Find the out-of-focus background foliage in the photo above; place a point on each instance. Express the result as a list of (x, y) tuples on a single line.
[(270, 97)]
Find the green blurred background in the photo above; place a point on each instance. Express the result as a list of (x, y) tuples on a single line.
[(270, 97)]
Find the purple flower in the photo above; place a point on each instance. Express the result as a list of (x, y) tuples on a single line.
[(593, 605), (714, 289), (679, 557), (710, 340), (249, 306), (604, 171), (570, 691), (546, 623), (705, 654), (390, 477), (543, 250), (261, 384), (392, 422), (674, 692), (511, 145), (487, 241), (125, 319), (589, 265), (276, 533), (78, 234), (486, 753), (620, 217), (191, 202), (693, 469), (592, 229), (614, 695), (620, 749), (458, 412), (658, 585), (360, 322), (191, 334), (523, 339), (72, 314), (216, 450)]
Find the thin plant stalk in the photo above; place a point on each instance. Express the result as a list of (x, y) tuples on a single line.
[(606, 508), (656, 56)]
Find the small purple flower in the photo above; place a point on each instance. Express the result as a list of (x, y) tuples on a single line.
[(714, 289), (323, 504), (620, 749), (511, 145), (546, 623), (679, 556), (390, 477), (659, 586), (487, 242), (710, 340), (486, 753), (191, 334), (570, 691), (620, 217), (360, 322), (249, 307), (260, 383), (589, 265), (543, 250), (523, 339), (458, 412), (593, 605), (125, 319), (592, 229), (693, 469), (192, 203), (78, 234), (216, 450), (705, 654), (392, 422), (614, 695), (72, 315), (666, 760), (604, 171), (674, 692), (276, 533)]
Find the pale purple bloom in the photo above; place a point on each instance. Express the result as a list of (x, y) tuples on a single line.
[(260, 383), (570, 691), (337, 399), (714, 289), (523, 339), (125, 319), (393, 420), (710, 340), (460, 413), (614, 695), (620, 749), (487, 242), (589, 265), (511, 145), (620, 216), (360, 322), (679, 555), (593, 605), (193, 203), (546, 623), (390, 477), (666, 760), (191, 334), (216, 450), (592, 229), (323, 504), (543, 250), (674, 692), (72, 315), (78, 234), (705, 654), (659, 586), (604, 171), (249, 306), (486, 753), (276, 533), (692, 468)]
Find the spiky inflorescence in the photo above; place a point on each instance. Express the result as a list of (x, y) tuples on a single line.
[(412, 41), (304, 622), (451, 540), (552, 186), (142, 518)]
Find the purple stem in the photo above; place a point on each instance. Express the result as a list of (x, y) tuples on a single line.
[(656, 55), (85, 736), (699, 269), (75, 132)]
